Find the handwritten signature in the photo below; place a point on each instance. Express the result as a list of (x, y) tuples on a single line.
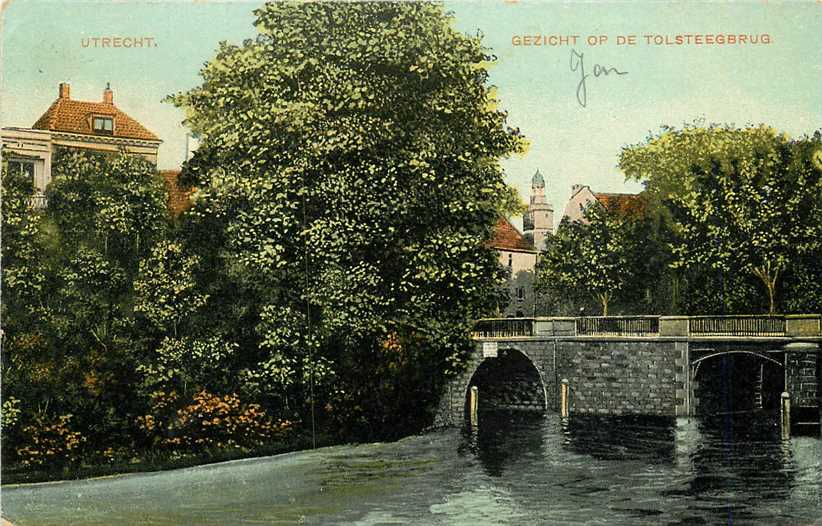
[(578, 65)]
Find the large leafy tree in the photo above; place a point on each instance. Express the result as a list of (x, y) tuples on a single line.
[(348, 186), (741, 200), (592, 256)]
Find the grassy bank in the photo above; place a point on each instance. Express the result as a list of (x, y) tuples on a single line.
[(147, 461)]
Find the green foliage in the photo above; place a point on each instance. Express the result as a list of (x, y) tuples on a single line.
[(803, 290), (513, 204), (68, 325), (346, 190), (592, 256), (114, 203), (188, 364), (740, 199), (166, 289), (23, 278)]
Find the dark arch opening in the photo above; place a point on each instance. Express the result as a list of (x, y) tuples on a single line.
[(737, 382), (508, 382)]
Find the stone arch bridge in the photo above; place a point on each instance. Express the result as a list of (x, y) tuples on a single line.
[(642, 365)]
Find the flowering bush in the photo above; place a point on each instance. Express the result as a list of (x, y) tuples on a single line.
[(50, 443), (209, 421)]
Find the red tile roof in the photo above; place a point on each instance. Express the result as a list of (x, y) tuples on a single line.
[(507, 237), (179, 199), (74, 116), (626, 204)]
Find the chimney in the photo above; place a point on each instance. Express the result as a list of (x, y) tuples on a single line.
[(108, 95), (65, 90)]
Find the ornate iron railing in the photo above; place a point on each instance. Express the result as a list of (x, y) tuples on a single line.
[(752, 325), (503, 327), (617, 325)]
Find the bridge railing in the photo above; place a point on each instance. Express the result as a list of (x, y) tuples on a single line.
[(503, 327), (748, 325), (617, 325), (754, 325)]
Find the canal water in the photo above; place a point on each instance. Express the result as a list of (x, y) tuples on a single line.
[(517, 468)]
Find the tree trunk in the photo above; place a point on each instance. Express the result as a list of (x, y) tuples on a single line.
[(769, 279), (603, 298), (771, 293)]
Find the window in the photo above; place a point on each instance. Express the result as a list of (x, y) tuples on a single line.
[(27, 167), (520, 293), (104, 125), (510, 261)]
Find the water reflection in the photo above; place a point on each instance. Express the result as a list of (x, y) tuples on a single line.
[(515, 468), (731, 469), (505, 437), (736, 454), (650, 439)]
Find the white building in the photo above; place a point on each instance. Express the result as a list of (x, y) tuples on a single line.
[(99, 126), (520, 258)]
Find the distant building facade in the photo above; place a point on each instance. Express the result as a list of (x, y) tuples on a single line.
[(582, 196), (517, 255), (179, 198), (98, 126), (538, 220)]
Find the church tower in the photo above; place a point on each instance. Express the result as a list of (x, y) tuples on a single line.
[(538, 221)]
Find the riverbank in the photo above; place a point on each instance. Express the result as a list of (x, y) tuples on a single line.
[(626, 472), (153, 461)]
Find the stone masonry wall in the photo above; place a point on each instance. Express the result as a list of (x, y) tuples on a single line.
[(609, 377), (622, 377), (801, 376), (451, 410)]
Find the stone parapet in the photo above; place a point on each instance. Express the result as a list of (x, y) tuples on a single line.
[(797, 325), (674, 325)]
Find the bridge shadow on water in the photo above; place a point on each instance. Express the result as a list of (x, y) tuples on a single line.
[(722, 469), (645, 438), (504, 437)]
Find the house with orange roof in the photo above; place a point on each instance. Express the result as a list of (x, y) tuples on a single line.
[(519, 256), (98, 125), (627, 205)]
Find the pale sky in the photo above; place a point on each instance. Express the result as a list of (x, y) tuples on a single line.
[(779, 83)]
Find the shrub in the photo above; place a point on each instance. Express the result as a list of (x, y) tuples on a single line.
[(50, 443), (209, 422)]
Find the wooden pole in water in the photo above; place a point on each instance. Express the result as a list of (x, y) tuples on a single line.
[(785, 414), (563, 399), (474, 405)]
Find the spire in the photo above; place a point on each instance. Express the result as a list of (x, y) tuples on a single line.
[(537, 181)]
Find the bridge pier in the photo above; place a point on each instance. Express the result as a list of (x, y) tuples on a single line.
[(802, 382)]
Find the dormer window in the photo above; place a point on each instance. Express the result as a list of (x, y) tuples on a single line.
[(103, 125)]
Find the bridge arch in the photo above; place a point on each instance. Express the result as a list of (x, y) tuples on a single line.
[(736, 380), (716, 354), (511, 380)]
